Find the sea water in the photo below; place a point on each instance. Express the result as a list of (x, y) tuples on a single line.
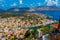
[(54, 13)]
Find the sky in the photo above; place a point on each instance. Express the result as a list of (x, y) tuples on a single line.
[(6, 4)]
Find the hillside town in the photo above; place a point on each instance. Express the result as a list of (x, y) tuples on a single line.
[(15, 27), (25, 20)]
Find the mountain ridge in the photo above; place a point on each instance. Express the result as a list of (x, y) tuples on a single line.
[(30, 9)]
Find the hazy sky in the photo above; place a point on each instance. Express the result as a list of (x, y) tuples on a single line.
[(6, 4)]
